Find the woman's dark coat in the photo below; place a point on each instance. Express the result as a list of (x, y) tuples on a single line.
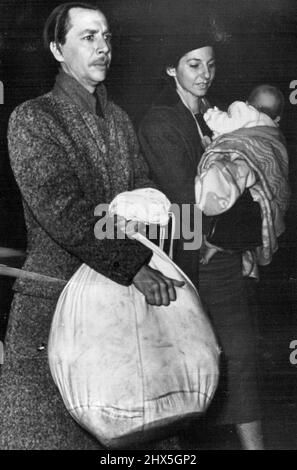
[(172, 147), (171, 144)]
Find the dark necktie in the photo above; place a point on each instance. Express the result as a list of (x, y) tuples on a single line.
[(203, 126), (98, 106)]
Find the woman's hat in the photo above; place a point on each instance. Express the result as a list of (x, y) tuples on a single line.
[(175, 46), (187, 33)]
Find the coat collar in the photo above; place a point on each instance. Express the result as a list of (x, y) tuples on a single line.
[(69, 88), (169, 97)]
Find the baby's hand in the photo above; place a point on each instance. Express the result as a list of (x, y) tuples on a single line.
[(209, 112)]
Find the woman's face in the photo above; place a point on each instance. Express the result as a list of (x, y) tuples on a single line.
[(195, 71)]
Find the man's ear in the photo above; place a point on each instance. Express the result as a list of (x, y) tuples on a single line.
[(56, 51), (277, 119), (171, 71)]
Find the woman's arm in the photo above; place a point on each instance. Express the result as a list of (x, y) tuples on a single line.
[(219, 186)]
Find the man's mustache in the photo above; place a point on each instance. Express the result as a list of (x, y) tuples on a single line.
[(102, 61)]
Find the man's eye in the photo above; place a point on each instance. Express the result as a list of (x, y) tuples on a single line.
[(90, 37)]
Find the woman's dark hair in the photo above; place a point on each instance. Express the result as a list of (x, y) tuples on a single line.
[(57, 24)]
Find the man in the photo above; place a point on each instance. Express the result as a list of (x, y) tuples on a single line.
[(70, 150)]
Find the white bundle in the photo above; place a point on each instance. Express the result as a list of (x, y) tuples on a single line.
[(125, 369)]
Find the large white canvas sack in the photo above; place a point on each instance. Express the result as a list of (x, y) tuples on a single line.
[(126, 369)]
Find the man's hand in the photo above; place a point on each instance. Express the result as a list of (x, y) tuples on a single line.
[(157, 288)]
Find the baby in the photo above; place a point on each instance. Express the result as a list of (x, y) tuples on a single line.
[(264, 108)]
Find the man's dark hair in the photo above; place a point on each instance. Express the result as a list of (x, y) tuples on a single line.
[(58, 23), (274, 111)]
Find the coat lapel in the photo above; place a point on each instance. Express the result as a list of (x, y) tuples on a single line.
[(184, 122)]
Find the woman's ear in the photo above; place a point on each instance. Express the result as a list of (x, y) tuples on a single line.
[(56, 51), (171, 71)]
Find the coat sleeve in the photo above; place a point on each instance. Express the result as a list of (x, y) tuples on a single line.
[(167, 154), (54, 195), (141, 176)]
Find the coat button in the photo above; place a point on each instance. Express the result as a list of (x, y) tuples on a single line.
[(41, 347)]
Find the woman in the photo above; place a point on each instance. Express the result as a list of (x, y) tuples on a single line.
[(171, 137)]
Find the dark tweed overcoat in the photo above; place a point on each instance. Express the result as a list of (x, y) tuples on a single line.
[(66, 160)]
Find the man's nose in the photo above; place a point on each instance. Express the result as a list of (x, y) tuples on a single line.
[(102, 46)]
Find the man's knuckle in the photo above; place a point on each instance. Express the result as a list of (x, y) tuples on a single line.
[(154, 286), (163, 283)]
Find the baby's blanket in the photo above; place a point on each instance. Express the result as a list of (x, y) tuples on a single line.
[(254, 158)]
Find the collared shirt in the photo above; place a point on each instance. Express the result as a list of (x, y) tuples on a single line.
[(92, 102)]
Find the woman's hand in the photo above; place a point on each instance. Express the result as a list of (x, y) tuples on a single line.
[(157, 288)]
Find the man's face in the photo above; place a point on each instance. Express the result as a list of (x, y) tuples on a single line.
[(86, 54)]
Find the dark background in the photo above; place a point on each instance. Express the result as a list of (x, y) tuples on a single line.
[(260, 44)]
